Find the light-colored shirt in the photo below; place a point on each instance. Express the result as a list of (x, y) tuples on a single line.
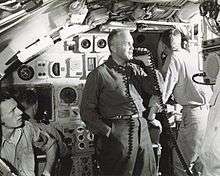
[(178, 80), (18, 149)]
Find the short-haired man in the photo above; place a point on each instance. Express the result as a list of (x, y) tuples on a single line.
[(112, 108), (19, 137)]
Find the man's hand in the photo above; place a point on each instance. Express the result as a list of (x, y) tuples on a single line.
[(196, 167), (45, 173), (156, 123), (146, 59)]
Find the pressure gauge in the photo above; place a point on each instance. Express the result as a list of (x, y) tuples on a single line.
[(25, 72), (68, 95)]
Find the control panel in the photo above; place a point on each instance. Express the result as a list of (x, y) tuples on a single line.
[(67, 100)]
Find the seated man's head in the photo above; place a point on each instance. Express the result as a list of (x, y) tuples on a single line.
[(29, 100), (121, 45), (11, 115)]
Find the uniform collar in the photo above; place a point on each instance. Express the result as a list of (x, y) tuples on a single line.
[(113, 65)]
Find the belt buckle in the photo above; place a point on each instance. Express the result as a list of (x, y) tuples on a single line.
[(135, 116), (123, 117), (119, 117)]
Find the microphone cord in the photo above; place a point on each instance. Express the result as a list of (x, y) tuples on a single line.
[(131, 122), (201, 75)]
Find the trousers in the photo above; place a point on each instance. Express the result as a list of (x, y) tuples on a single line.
[(210, 151), (113, 151), (190, 136)]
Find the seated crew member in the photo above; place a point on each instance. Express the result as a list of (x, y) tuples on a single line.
[(29, 100), (112, 108), (19, 137)]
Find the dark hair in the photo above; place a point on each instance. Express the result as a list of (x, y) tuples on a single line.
[(5, 95)]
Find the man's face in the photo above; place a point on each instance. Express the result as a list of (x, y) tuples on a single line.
[(123, 45), (11, 115)]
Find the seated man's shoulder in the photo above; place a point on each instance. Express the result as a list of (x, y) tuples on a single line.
[(30, 130), (33, 128), (28, 125)]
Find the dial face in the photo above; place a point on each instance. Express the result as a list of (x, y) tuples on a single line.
[(85, 43), (25, 72), (101, 43), (68, 95)]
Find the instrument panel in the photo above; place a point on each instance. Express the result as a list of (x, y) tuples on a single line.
[(73, 58)]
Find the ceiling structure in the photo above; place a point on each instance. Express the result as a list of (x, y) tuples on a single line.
[(12, 11), (22, 22), (143, 9)]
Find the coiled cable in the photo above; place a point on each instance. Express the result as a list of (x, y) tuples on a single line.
[(131, 122)]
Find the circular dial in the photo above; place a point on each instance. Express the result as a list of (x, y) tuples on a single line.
[(68, 95), (25, 72), (101, 43), (85, 43)]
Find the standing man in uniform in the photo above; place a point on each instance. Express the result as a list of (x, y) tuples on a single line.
[(112, 108)]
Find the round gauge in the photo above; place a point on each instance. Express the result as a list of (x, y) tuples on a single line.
[(101, 43), (68, 95), (86, 43), (25, 72)]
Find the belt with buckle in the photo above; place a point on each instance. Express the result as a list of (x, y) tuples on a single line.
[(125, 116)]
